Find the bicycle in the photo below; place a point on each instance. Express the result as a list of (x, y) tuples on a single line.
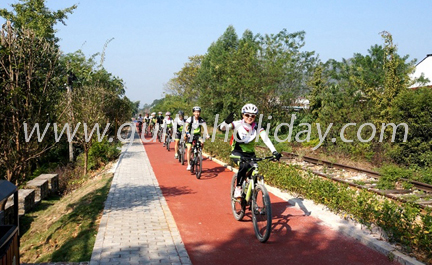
[(168, 139), (256, 197), (140, 124), (196, 157), (159, 134), (151, 129), (181, 151), (148, 132)]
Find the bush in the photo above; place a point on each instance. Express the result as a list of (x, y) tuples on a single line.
[(391, 174), (219, 148), (413, 107), (102, 152), (404, 224)]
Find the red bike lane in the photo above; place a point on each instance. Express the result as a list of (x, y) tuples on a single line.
[(202, 212)]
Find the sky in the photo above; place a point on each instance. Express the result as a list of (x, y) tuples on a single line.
[(153, 39)]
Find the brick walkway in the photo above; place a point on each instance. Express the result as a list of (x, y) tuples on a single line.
[(137, 226)]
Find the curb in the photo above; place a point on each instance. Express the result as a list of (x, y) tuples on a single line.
[(335, 222)]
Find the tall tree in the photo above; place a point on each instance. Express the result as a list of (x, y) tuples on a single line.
[(29, 71), (34, 15)]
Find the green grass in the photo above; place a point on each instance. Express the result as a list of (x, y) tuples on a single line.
[(65, 229)]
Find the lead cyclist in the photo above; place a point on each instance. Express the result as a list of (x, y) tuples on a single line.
[(243, 143)]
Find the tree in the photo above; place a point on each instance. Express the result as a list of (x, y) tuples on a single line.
[(215, 73), (286, 70), (413, 107), (97, 99), (182, 84), (29, 70), (34, 15)]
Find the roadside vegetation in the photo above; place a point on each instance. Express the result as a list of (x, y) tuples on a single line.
[(65, 228), (406, 225), (42, 86)]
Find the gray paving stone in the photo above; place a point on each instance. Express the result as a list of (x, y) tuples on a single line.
[(137, 226)]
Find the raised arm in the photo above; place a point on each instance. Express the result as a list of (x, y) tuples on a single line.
[(266, 140), (224, 126)]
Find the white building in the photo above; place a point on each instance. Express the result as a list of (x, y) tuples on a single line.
[(425, 67)]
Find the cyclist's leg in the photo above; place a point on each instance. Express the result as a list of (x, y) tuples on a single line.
[(243, 166), (176, 141), (188, 152), (240, 177), (202, 142)]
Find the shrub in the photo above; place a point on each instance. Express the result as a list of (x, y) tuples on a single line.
[(102, 152), (405, 224)]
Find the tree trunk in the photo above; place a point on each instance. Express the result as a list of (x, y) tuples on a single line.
[(85, 158), (71, 153)]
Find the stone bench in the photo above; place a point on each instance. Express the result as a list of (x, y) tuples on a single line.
[(26, 201), (41, 188), (53, 182)]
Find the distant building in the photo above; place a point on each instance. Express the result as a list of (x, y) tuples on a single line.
[(425, 67), (300, 103)]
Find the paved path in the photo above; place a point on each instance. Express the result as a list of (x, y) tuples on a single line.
[(202, 211), (137, 226)]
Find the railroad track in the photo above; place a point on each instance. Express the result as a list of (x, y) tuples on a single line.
[(360, 178)]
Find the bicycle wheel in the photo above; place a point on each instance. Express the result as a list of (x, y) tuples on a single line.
[(168, 141), (261, 213), (179, 152), (182, 153), (192, 162), (198, 166), (238, 206)]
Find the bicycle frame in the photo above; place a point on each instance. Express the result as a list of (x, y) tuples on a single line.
[(252, 181), (252, 185), (253, 176)]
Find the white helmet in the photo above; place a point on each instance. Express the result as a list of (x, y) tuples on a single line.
[(168, 113), (196, 108), (250, 108), (153, 113)]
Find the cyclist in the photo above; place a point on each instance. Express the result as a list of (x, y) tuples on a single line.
[(179, 122), (146, 120), (168, 124), (140, 122), (153, 120), (195, 123), (243, 144), (160, 118)]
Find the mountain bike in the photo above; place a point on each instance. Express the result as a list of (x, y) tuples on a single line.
[(168, 139), (159, 134), (151, 129), (196, 157), (255, 197), (140, 124), (181, 151), (148, 132)]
